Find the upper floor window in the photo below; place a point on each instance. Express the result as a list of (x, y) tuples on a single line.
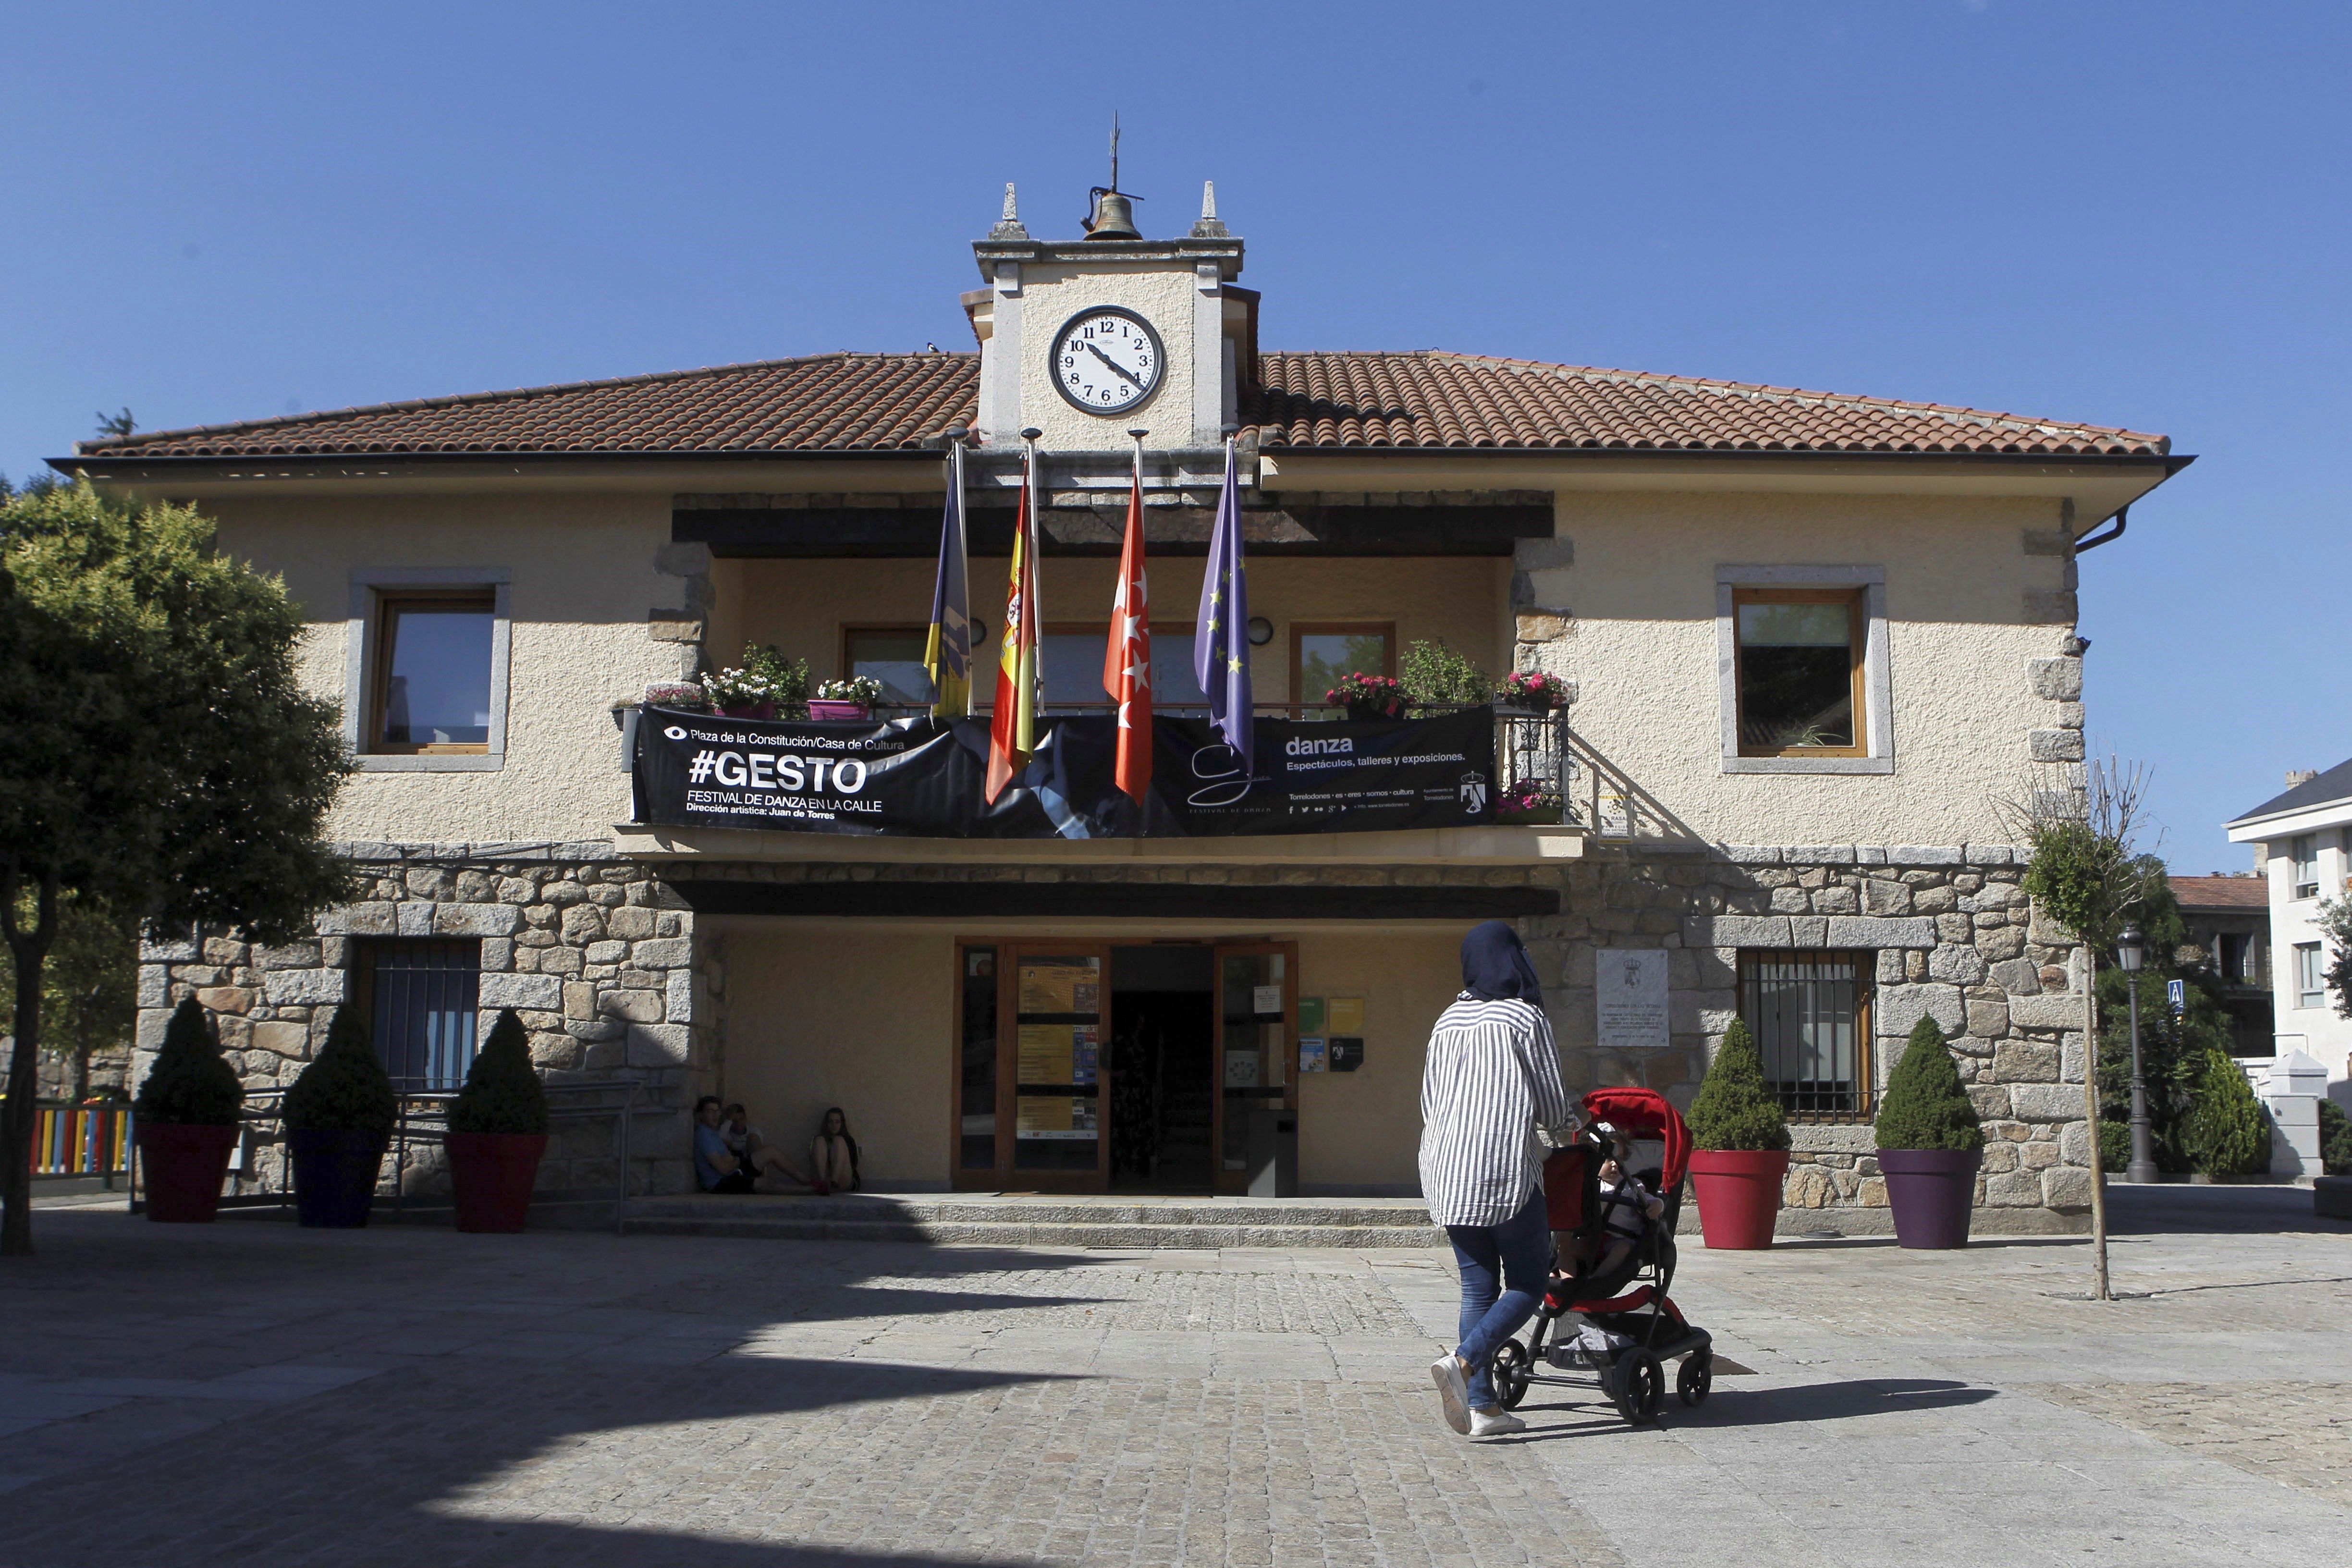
[(1800, 655), (1810, 1015), (894, 655), (431, 688), (2304, 852), (1321, 653), (2310, 977)]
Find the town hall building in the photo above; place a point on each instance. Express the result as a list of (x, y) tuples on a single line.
[(1810, 643)]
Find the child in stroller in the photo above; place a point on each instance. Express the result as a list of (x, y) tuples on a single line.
[(1607, 1314)]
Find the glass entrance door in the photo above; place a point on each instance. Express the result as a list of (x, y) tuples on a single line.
[(1033, 1081), (1257, 1046)]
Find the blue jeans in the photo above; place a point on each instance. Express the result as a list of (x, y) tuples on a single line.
[(1504, 1270)]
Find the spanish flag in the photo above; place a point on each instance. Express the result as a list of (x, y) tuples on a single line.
[(1012, 726)]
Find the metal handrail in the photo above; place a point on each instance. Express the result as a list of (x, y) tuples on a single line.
[(421, 1119)]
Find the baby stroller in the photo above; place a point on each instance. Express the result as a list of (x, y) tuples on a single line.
[(1615, 1327)]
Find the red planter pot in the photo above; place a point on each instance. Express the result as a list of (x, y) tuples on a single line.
[(1932, 1192), (1738, 1195), (492, 1173), (184, 1168)]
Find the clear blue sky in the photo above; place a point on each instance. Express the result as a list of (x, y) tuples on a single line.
[(2125, 214)]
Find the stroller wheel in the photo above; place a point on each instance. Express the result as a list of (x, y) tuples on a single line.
[(1510, 1369), (1696, 1379), (1637, 1384)]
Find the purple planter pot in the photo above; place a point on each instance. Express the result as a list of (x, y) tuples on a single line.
[(1932, 1192)]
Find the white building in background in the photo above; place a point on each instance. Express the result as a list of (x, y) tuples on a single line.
[(2302, 841)]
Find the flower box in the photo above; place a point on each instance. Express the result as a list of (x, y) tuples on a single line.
[(825, 709)]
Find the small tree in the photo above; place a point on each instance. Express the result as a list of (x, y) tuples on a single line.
[(502, 1092), (190, 1085), (1926, 1105), (2335, 923), (89, 986), (2226, 1132), (2084, 872), (345, 1089), (2335, 1139), (1434, 675), (160, 757), (1734, 1109)]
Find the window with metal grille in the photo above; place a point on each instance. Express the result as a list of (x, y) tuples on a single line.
[(1811, 1015), (419, 998)]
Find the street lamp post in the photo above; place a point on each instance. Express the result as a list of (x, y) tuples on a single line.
[(2143, 1154)]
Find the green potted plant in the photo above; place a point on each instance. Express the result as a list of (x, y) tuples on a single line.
[(852, 697), (1434, 676), (1739, 1158), (187, 1118), (1929, 1143), (498, 1132), (339, 1114)]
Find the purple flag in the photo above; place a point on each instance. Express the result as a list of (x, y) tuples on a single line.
[(1220, 640)]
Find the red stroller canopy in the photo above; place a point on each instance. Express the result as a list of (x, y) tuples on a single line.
[(1642, 1113)]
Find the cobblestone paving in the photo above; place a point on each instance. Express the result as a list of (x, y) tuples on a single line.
[(256, 1395), (2298, 1434)]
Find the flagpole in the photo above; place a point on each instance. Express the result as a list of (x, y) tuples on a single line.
[(1032, 614)]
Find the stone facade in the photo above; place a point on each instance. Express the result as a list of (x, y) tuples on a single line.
[(600, 960), (595, 954)]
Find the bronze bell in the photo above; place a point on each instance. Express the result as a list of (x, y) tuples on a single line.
[(1114, 218)]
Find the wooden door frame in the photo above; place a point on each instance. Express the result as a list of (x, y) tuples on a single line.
[(1222, 1181), (1009, 1178)]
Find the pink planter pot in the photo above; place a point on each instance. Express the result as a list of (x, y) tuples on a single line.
[(184, 1168), (749, 710), (1738, 1195), (825, 710), (1932, 1192), (492, 1175)]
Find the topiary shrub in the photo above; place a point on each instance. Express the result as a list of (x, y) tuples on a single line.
[(1735, 1110), (190, 1085), (1926, 1105), (2335, 1139), (502, 1092), (346, 1089), (2225, 1132)]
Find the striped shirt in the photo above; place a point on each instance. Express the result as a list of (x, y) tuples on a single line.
[(1491, 1079)]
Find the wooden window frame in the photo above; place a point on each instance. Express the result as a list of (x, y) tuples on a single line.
[(1301, 630), (845, 667), (1856, 601), (1865, 1020), (390, 603)]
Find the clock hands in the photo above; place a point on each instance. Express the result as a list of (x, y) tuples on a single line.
[(1122, 370)]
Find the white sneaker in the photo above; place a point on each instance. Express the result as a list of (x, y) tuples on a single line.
[(1495, 1423), (1447, 1372)]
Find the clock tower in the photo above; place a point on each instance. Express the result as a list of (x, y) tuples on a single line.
[(1084, 339)]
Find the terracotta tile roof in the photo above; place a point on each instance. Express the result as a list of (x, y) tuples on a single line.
[(1436, 399), (823, 403), (855, 402), (2223, 892)]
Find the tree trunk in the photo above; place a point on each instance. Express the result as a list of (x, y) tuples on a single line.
[(2091, 1107), (30, 949), (82, 1074)]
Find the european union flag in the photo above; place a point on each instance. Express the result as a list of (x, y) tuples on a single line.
[(1221, 642)]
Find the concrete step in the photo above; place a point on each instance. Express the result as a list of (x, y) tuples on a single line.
[(1045, 1221)]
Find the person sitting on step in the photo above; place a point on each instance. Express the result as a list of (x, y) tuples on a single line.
[(833, 1155), (755, 1154), (717, 1168)]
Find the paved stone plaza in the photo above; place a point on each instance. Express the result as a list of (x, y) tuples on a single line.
[(256, 1394)]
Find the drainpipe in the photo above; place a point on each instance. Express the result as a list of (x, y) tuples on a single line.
[(2122, 518)]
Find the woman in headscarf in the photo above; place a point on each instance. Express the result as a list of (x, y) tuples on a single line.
[(1490, 1081)]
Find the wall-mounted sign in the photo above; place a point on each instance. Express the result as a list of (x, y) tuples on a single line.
[(1347, 1055), (1311, 1057), (1310, 1014), (1344, 1015), (1629, 995)]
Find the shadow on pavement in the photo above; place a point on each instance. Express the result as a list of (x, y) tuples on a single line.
[(1807, 1403), (2176, 1208)]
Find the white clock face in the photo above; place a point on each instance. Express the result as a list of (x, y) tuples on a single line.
[(1107, 360)]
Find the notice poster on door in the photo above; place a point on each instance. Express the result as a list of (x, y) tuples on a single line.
[(1060, 985), (1265, 1001), (1241, 1069), (1085, 1050), (1048, 1054), (1053, 1116)]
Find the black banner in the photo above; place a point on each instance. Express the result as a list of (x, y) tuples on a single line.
[(923, 777)]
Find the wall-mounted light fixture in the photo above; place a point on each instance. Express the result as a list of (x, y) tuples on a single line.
[(1261, 631)]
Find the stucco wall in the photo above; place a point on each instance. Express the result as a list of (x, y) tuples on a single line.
[(1363, 1129), (582, 579), (1640, 640), (802, 606), (859, 1018), (1161, 294)]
